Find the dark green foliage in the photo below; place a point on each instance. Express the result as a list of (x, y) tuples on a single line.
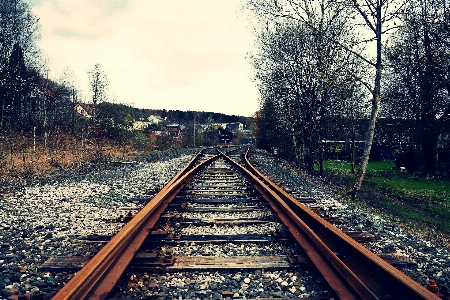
[(270, 136), (408, 160), (144, 142), (444, 161), (16, 90), (115, 121), (18, 35), (182, 117)]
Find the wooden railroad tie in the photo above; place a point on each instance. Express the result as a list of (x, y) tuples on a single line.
[(147, 261)]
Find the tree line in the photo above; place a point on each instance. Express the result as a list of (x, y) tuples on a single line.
[(320, 61), (39, 113), (182, 117), (31, 106)]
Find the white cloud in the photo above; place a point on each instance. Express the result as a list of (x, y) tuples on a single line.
[(173, 54)]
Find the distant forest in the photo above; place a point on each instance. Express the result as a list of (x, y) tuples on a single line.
[(182, 117)]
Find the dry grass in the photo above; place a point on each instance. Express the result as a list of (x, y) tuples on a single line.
[(29, 164)]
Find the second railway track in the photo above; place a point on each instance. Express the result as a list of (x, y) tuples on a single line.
[(226, 231)]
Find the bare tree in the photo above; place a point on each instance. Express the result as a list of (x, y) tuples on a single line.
[(99, 84), (379, 18), (99, 87), (370, 18), (304, 68), (419, 63), (68, 80)]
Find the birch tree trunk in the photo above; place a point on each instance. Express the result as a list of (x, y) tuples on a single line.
[(374, 109)]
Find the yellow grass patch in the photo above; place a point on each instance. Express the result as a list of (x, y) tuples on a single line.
[(40, 163)]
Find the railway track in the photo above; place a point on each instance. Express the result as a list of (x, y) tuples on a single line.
[(227, 231)]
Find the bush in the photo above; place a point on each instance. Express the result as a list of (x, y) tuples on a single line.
[(144, 142), (444, 161), (409, 160)]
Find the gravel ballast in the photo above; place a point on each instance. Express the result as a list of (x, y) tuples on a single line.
[(433, 262), (39, 221)]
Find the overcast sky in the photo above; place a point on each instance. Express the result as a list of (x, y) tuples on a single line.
[(172, 54)]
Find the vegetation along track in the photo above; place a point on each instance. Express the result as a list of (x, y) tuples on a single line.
[(220, 229)]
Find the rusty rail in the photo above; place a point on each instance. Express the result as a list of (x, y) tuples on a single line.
[(369, 275), (350, 269), (99, 276)]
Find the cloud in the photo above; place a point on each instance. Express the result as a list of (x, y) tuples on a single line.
[(85, 19), (173, 54)]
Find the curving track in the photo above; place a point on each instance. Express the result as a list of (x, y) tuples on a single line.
[(184, 212)]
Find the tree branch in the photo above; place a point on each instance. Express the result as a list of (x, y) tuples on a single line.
[(354, 53), (366, 18)]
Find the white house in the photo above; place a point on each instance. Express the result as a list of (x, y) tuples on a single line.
[(155, 119)]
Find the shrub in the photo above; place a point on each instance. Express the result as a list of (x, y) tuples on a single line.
[(408, 159)]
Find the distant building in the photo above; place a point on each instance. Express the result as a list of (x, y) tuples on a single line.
[(141, 125), (86, 110), (249, 137), (155, 119), (175, 130), (233, 127)]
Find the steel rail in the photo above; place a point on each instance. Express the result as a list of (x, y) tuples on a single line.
[(297, 228), (99, 276), (329, 253), (354, 262)]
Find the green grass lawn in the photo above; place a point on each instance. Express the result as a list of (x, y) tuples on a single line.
[(373, 166), (423, 199)]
